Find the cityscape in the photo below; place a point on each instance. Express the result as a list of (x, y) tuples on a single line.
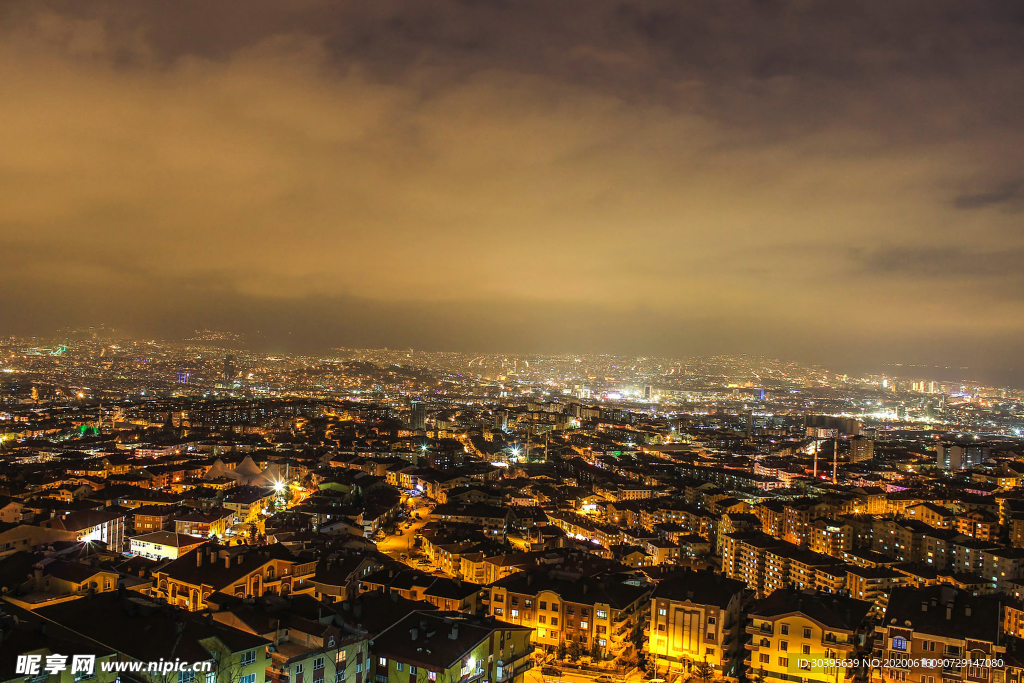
[(504, 518), (491, 341)]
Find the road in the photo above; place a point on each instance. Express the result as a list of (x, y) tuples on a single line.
[(403, 542), (536, 675)]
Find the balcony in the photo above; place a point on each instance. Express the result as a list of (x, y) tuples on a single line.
[(754, 644), (515, 668), (844, 643), (764, 629)]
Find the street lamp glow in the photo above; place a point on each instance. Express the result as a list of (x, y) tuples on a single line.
[(279, 486)]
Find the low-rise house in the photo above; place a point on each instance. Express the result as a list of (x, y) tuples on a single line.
[(160, 545)]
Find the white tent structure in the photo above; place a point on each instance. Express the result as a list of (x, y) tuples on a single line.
[(246, 473)]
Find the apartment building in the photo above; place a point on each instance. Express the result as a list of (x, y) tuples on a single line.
[(696, 617), (600, 614), (792, 633), (939, 625), (443, 647), (240, 571)]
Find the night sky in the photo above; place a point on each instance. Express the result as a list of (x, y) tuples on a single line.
[(822, 181)]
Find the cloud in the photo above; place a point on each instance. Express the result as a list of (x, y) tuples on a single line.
[(1008, 195), (577, 175)]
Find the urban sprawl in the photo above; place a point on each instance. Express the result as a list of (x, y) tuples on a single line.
[(397, 516)]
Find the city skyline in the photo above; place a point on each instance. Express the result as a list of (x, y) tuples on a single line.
[(226, 343), (834, 186)]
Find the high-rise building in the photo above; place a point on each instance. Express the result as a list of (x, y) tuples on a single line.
[(951, 456), (862, 448), (418, 415), (228, 373)]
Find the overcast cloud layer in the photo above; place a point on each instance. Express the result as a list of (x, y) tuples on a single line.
[(836, 182)]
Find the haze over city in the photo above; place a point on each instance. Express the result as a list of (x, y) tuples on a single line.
[(832, 184)]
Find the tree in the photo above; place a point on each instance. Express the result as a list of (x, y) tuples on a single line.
[(561, 653), (575, 651), (760, 677), (704, 671), (596, 652)]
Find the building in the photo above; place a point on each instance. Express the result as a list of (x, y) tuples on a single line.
[(862, 448), (160, 545), (307, 645), (943, 625), (600, 615), (241, 571), (417, 415), (148, 518), (1002, 566), (212, 523), (830, 537), (140, 629), (25, 634), (447, 647), (952, 456), (793, 632), (933, 515), (92, 525), (695, 617), (247, 503), (874, 584), (453, 595)]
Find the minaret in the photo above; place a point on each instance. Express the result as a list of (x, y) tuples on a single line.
[(835, 458), (815, 457)]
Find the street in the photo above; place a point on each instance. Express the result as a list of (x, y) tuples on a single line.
[(395, 545), (537, 675)]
